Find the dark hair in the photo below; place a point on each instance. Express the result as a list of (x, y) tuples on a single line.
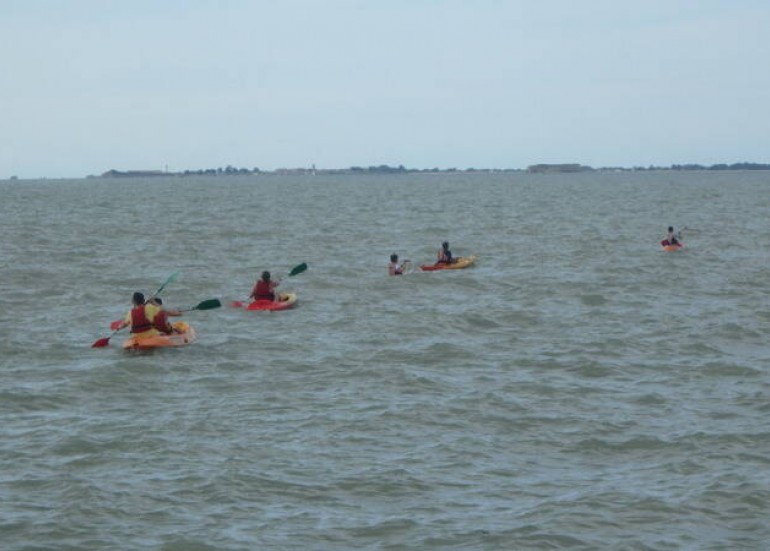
[(157, 299), (671, 228), (393, 257), (138, 298), (265, 276), (445, 244)]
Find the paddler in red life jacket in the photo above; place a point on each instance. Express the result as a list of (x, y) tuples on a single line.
[(141, 317), (444, 255), (264, 289), (160, 321)]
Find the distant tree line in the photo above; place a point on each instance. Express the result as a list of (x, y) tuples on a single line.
[(230, 170), (400, 169), (583, 168), (734, 166), (721, 166)]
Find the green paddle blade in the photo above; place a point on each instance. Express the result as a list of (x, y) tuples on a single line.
[(208, 304), (170, 279), (298, 269)]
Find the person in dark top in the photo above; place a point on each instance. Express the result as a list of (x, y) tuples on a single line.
[(444, 255)]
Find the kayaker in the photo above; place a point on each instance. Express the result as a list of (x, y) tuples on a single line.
[(264, 289), (160, 321), (671, 238), (141, 317), (444, 255), (395, 267)]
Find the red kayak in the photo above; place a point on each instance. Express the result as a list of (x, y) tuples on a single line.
[(669, 247), (287, 300)]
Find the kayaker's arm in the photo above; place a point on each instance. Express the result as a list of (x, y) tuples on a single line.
[(125, 322)]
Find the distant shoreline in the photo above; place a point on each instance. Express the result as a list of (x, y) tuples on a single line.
[(564, 168), (543, 168)]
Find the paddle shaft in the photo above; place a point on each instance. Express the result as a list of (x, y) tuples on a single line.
[(169, 279)]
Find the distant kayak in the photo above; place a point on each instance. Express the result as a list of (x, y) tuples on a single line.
[(185, 336), (287, 300), (672, 248), (459, 263)]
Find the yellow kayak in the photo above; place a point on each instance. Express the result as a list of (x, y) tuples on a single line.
[(459, 263)]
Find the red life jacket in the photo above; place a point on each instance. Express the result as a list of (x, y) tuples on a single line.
[(263, 291), (161, 322), (139, 321)]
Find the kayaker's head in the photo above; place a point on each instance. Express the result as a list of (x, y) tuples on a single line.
[(394, 257), (265, 276), (138, 298), (445, 245), (156, 301), (671, 228)]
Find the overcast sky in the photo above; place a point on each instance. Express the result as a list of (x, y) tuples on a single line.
[(88, 86)]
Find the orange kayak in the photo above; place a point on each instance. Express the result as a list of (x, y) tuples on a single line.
[(671, 248), (185, 336), (460, 263)]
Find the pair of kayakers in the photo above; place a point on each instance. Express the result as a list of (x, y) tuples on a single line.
[(148, 317), (443, 256)]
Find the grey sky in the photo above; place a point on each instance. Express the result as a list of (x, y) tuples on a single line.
[(92, 85)]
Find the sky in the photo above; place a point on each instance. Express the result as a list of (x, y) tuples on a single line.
[(93, 85)]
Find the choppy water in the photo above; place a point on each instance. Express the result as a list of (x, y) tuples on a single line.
[(577, 389)]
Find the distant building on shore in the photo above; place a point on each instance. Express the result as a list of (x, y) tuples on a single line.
[(566, 167), (133, 173)]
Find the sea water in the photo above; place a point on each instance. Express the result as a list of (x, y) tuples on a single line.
[(578, 388)]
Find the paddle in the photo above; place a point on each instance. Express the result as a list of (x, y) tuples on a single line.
[(104, 341), (170, 279), (298, 269), (205, 305), (209, 304)]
